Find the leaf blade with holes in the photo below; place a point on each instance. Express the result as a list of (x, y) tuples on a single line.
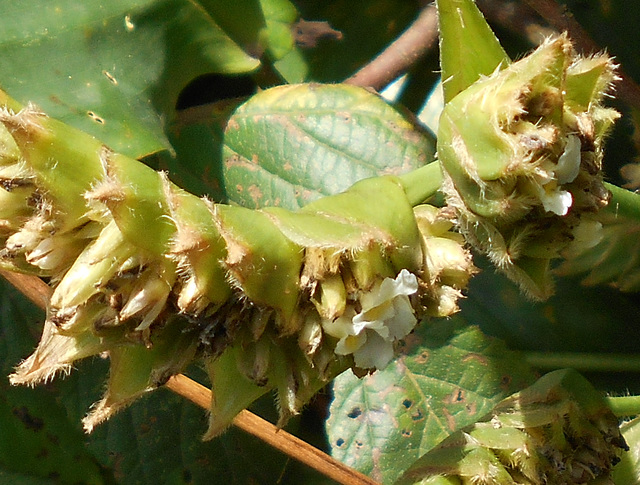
[(382, 423)]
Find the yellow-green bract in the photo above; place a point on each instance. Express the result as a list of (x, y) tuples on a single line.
[(157, 277), (522, 155)]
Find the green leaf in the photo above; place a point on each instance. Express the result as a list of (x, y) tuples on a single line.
[(112, 69), (159, 440), (444, 380), (574, 319), (38, 440), (23, 479), (468, 46), (290, 145), (256, 25), (50, 444)]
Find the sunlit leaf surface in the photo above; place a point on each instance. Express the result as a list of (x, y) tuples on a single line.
[(444, 380)]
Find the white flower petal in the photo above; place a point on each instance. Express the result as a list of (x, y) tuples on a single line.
[(405, 283), (382, 311), (342, 326), (569, 162), (387, 316), (404, 320), (377, 353), (557, 201), (351, 344)]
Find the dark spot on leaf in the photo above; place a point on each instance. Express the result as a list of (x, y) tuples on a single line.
[(187, 476), (56, 100), (422, 357), (456, 397), (255, 193), (505, 382), (29, 421), (53, 439), (407, 403), (472, 408), (110, 77), (451, 421), (95, 117), (339, 442), (473, 356), (355, 412), (407, 433), (359, 444), (417, 416)]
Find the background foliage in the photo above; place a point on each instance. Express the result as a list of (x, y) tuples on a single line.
[(131, 73)]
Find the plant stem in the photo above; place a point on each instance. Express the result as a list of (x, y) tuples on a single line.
[(585, 362), (39, 293), (36, 290), (401, 53), (270, 434), (422, 183), (624, 203), (623, 406)]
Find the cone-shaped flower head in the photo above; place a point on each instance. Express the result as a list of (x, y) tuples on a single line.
[(153, 276), (522, 153)]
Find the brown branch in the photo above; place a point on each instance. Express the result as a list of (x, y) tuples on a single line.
[(401, 54), (32, 287), (270, 434), (560, 19), (39, 292)]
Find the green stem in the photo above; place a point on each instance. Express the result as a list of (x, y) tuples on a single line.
[(423, 183), (585, 362), (624, 405), (623, 202)]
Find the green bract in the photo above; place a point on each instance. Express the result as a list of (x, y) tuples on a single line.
[(155, 276), (522, 154)]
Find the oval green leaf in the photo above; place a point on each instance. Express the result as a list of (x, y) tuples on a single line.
[(290, 145), (113, 69), (445, 379)]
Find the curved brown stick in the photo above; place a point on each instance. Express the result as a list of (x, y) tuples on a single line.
[(270, 434), (36, 290), (39, 292), (401, 53)]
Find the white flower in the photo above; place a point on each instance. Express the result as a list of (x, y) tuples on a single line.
[(386, 316), (555, 200), (566, 170)]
